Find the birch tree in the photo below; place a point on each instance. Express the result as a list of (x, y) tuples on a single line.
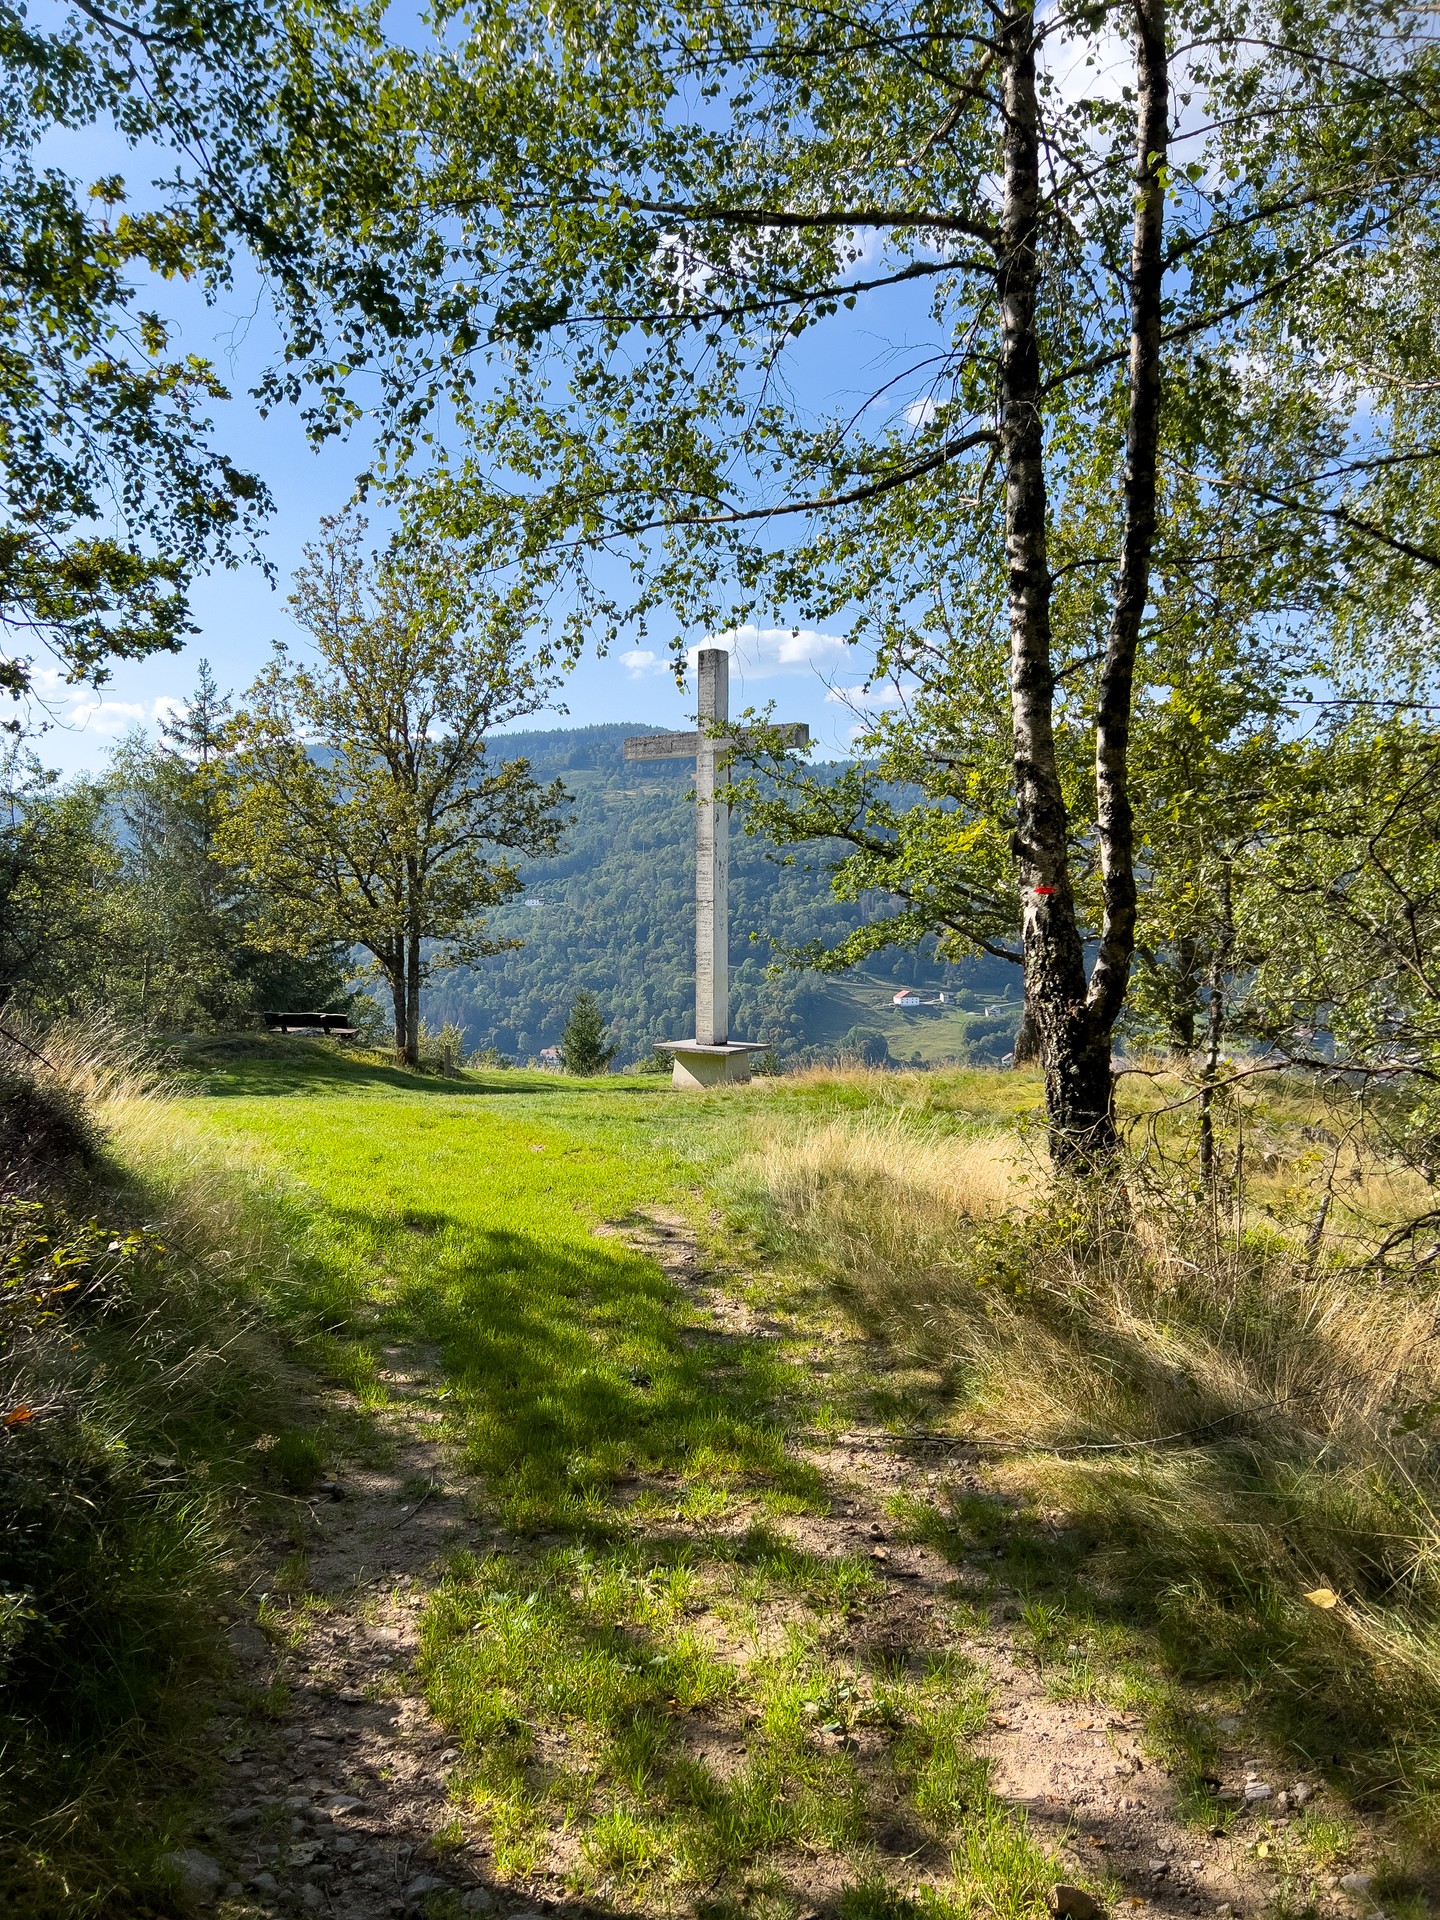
[(1092, 236)]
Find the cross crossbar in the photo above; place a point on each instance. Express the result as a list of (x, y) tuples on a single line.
[(686, 746)]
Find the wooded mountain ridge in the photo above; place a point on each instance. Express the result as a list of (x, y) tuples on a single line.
[(613, 911)]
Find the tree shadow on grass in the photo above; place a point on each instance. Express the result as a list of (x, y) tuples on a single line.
[(251, 1065), (574, 1369)]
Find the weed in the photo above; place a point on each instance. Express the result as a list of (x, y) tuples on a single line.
[(292, 1576), (296, 1459), (875, 1899)]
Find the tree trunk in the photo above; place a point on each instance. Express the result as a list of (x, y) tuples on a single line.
[(1077, 1099), (1075, 1016), (1216, 1027), (1027, 1040), (398, 999), (1115, 818), (1184, 991), (412, 997)]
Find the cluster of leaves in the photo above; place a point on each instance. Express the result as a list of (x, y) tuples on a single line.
[(99, 422)]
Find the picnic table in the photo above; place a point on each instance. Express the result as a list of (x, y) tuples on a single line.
[(333, 1026)]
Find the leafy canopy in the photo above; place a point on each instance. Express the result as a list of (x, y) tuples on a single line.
[(113, 492)]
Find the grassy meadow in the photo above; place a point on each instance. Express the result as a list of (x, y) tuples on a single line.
[(1196, 1412)]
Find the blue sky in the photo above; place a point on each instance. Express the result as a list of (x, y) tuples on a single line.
[(240, 613), (805, 672)]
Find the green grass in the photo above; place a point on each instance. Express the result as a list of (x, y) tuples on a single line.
[(655, 1691), (664, 1699)]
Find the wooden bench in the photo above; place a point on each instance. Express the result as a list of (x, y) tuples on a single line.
[(333, 1026)]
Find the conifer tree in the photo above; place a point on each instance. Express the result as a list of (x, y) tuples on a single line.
[(582, 1047)]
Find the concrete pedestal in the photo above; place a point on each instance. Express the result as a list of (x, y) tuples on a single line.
[(697, 1065)]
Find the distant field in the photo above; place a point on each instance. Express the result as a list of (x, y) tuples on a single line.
[(860, 999)]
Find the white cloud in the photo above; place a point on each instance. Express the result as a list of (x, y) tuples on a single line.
[(640, 661), (82, 710), (921, 412), (761, 653), (884, 694), (106, 716), (1088, 65)]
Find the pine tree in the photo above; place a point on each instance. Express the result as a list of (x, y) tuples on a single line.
[(582, 1045)]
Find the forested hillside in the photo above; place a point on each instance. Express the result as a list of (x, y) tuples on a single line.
[(613, 911)]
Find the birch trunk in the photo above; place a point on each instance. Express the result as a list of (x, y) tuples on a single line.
[(1055, 985), (1075, 1015)]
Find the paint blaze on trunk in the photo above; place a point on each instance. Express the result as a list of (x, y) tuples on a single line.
[(1075, 1012)]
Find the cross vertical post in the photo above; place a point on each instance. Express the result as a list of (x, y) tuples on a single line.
[(712, 854), (712, 1057)]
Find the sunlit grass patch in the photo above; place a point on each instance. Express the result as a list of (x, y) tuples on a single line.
[(1001, 1869), (594, 1657), (938, 1716)]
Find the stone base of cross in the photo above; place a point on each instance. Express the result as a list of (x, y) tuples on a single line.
[(711, 1057)]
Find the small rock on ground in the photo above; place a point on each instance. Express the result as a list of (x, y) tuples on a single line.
[(1073, 1903), (196, 1874)]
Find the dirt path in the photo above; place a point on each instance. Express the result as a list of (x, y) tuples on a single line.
[(335, 1777)]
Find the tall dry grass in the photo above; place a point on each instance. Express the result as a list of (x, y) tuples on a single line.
[(137, 1371), (1230, 1422)]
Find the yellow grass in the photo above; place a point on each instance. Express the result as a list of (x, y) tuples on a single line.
[(1229, 1423)]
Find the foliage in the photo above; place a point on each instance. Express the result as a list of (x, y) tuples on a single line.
[(112, 492), (113, 893), (988, 1038), (178, 951), (1110, 436), (866, 1046), (1341, 909), (368, 809), (582, 1045), (57, 865)]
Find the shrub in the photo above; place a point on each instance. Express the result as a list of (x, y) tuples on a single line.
[(867, 1046)]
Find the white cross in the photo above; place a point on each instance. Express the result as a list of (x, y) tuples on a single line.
[(711, 1055)]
